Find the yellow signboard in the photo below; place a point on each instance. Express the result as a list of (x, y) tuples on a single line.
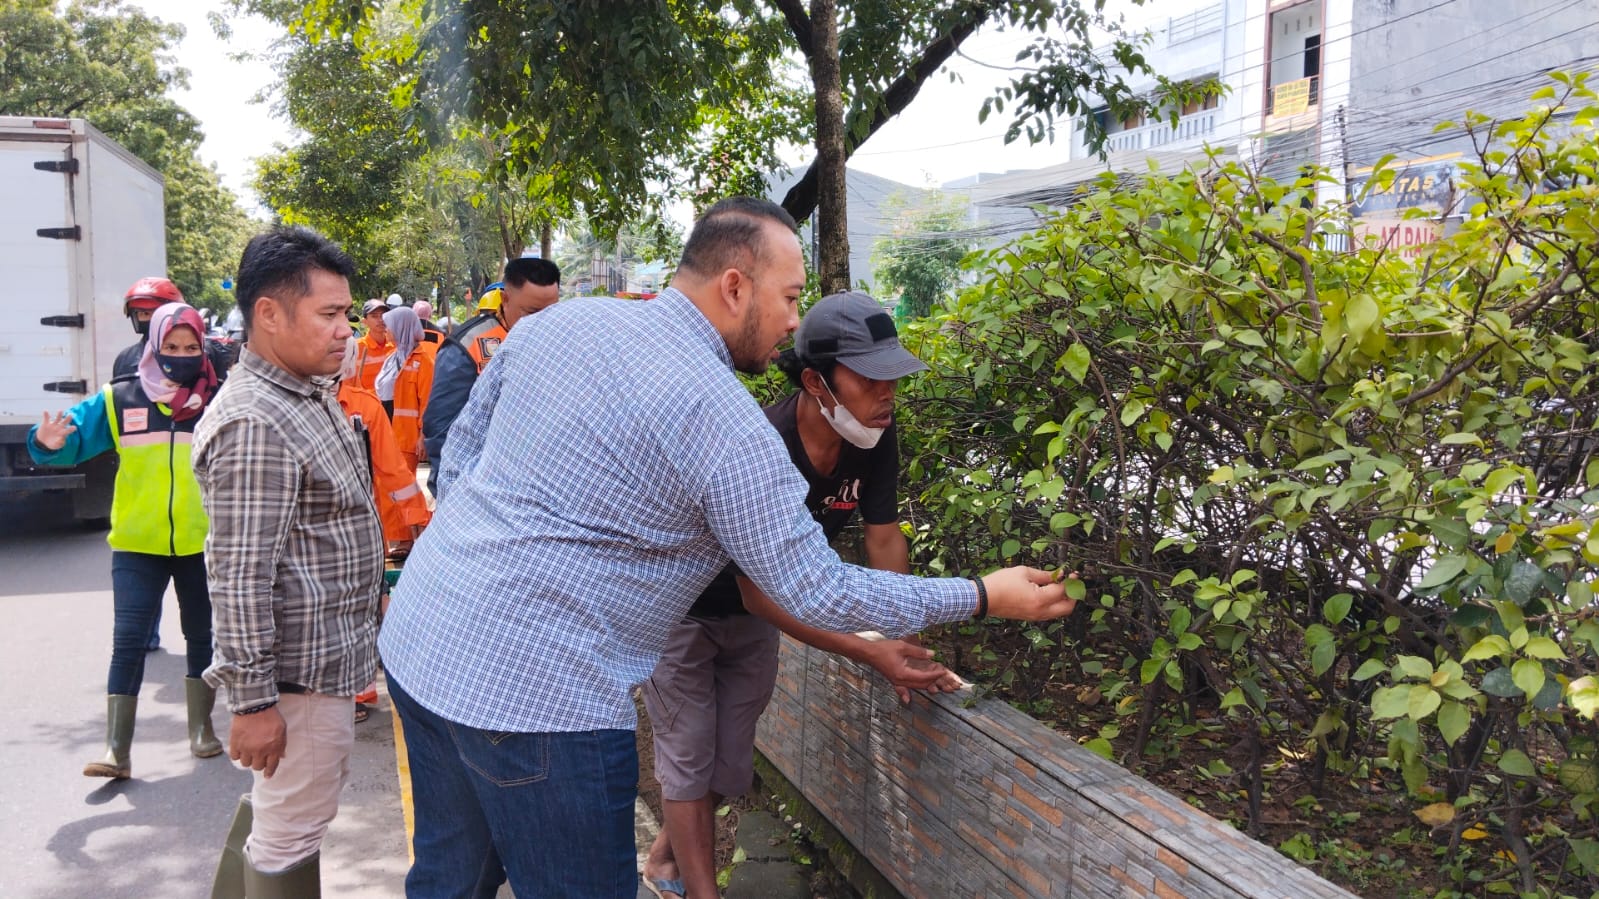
[(1290, 97)]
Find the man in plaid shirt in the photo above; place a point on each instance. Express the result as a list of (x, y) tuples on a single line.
[(294, 558)]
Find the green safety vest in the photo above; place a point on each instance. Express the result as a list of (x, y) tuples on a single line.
[(156, 508)]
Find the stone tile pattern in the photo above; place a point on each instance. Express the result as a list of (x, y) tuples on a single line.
[(985, 801)]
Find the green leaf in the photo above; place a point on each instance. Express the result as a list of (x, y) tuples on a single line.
[(1336, 608), (1327, 722), (1516, 762), (1583, 694), (1490, 647), (1586, 852), (1460, 437), (1101, 747), (1323, 656), (1548, 699), (1511, 616), (1443, 571), (1579, 775), (1390, 702), (1360, 315), (1542, 648), (1181, 618), (1498, 682), (1471, 615), (1010, 548), (1414, 666), (1132, 410), (1528, 675), (1075, 589), (1075, 361), (1500, 480), (1368, 670), (1453, 719), (1524, 580), (1422, 701), (1189, 642), (1061, 521)]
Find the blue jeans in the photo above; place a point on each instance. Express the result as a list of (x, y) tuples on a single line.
[(138, 583), (552, 811)]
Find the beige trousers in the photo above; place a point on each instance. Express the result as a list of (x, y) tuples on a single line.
[(295, 806)]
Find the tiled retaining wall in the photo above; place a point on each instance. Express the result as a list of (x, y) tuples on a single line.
[(985, 801)]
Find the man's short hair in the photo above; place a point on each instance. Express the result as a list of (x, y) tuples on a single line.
[(729, 235), (793, 367), (542, 272), (279, 262)]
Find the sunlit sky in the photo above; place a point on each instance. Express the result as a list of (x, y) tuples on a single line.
[(937, 139)]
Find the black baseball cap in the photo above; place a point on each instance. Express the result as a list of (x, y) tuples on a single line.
[(853, 329)]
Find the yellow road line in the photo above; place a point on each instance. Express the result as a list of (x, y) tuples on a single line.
[(402, 761)]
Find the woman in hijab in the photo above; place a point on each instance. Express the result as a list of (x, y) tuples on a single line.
[(158, 525), (405, 381)]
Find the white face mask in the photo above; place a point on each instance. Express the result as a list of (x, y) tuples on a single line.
[(844, 422)]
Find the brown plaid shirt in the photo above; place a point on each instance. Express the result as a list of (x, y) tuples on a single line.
[(295, 551)]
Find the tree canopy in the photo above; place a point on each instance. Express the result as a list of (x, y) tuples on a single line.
[(921, 257), (112, 64), (624, 108)]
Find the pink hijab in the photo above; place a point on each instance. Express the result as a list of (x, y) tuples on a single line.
[(185, 401)]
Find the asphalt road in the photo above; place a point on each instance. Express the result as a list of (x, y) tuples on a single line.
[(158, 834)]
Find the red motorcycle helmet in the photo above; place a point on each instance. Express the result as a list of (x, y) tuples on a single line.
[(150, 294)]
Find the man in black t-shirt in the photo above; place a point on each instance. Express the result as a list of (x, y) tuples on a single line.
[(716, 675)]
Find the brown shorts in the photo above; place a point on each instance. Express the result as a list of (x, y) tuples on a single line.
[(708, 691)]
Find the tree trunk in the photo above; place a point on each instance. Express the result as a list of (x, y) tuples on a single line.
[(867, 116), (546, 239), (831, 223)]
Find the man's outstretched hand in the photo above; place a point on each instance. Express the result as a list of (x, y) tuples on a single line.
[(1029, 594), (908, 666)]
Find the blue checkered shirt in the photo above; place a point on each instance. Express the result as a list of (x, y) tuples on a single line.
[(607, 466)]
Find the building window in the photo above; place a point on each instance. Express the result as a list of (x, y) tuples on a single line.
[(1294, 68)]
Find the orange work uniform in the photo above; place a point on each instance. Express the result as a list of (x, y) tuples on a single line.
[(411, 390), (481, 338), (371, 356), (401, 504)]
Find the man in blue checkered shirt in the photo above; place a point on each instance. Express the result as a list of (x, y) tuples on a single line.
[(608, 464)]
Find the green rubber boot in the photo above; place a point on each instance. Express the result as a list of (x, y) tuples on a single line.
[(303, 881), (200, 698), (229, 880), (116, 764)]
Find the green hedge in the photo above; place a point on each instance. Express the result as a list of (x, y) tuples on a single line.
[(1346, 498)]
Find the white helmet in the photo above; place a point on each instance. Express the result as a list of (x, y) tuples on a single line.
[(396, 300)]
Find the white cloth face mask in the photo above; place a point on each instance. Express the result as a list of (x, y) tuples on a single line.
[(845, 423)]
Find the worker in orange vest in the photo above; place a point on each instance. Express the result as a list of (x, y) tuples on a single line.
[(405, 380), (374, 347), (401, 504)]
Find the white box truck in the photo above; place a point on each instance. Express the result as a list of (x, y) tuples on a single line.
[(81, 219)]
